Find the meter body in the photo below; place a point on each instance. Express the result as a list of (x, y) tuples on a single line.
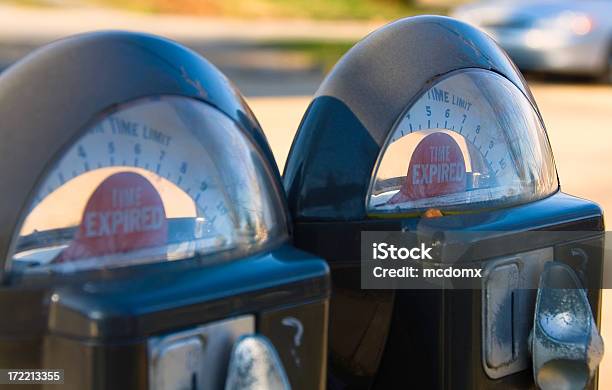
[(428, 117), (144, 227)]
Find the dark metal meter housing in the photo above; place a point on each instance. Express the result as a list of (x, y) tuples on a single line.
[(52, 94), (430, 339), (331, 161), (110, 328)]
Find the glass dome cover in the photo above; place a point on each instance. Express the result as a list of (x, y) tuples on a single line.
[(157, 179), (471, 140)]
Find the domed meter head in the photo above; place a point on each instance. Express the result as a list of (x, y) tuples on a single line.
[(426, 112), (123, 148)]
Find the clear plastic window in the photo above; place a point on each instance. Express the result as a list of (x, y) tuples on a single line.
[(158, 179), (471, 140)]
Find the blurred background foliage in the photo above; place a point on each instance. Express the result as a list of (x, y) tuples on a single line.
[(304, 9)]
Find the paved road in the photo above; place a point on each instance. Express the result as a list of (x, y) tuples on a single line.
[(579, 122)]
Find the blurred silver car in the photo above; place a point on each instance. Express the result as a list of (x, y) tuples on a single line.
[(563, 36)]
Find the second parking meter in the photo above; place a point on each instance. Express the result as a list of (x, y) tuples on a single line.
[(144, 236), (426, 129)]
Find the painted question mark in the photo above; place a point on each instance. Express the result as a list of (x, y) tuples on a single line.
[(295, 323), (297, 339)]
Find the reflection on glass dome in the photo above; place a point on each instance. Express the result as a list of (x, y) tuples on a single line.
[(472, 140), (159, 179)]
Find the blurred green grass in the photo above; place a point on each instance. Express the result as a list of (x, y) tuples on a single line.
[(304, 9), (323, 54)]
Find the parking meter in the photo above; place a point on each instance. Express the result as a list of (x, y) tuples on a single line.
[(425, 127), (144, 232)]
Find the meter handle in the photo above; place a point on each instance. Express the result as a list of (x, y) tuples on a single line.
[(255, 365), (565, 344)]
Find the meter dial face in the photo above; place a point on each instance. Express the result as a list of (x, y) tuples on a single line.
[(158, 179), (471, 140)]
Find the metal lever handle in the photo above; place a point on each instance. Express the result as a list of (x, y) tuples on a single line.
[(565, 344), (255, 365)]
